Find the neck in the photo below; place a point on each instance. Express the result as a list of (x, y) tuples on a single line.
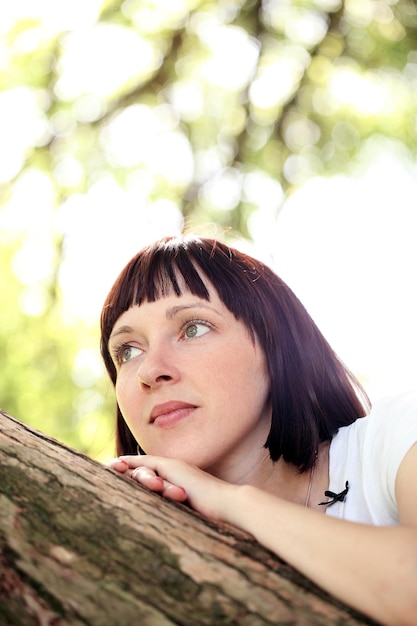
[(280, 479), (255, 469)]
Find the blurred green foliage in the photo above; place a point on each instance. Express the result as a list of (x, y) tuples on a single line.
[(219, 108)]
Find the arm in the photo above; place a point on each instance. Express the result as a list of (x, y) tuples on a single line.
[(373, 569)]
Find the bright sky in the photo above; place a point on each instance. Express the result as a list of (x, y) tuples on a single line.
[(347, 246)]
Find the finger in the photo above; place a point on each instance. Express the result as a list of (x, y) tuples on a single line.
[(173, 492), (160, 465), (135, 460), (119, 465), (148, 478)]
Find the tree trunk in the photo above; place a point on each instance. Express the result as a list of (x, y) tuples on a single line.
[(81, 545)]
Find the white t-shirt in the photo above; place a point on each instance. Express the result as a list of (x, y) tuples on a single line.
[(368, 454)]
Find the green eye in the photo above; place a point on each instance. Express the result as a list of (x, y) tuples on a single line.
[(191, 331), (126, 353), (196, 329)]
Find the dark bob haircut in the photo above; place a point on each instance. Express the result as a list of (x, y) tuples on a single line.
[(312, 393)]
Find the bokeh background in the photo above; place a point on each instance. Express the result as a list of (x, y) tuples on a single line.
[(287, 127)]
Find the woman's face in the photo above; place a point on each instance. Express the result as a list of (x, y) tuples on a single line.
[(191, 382)]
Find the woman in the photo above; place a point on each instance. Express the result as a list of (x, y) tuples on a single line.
[(237, 404)]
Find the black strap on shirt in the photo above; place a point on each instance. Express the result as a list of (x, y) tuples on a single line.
[(336, 497)]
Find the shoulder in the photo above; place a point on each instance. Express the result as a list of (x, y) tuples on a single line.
[(369, 453), (393, 418), (401, 403), (399, 416), (389, 430)]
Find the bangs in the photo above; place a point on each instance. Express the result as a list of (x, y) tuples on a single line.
[(159, 277), (153, 274)]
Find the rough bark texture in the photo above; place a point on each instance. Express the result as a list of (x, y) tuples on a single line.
[(81, 545)]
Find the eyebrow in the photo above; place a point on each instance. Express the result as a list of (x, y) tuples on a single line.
[(170, 314), (123, 330)]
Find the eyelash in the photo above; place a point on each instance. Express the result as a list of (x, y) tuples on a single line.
[(117, 351)]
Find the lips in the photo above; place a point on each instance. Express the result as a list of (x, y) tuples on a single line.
[(170, 413)]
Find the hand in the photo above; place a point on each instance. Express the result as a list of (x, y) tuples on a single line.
[(133, 466), (178, 481)]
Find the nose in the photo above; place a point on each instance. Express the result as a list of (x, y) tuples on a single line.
[(157, 367)]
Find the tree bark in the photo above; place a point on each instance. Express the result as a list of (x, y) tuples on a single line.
[(81, 545)]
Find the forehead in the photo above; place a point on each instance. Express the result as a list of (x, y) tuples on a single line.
[(184, 298), (175, 294), (170, 309)]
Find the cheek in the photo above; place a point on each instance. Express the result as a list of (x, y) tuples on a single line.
[(252, 379), (241, 374), (124, 392)]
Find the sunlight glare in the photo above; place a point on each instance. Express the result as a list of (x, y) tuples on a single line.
[(22, 214), (102, 60), (129, 135), (116, 224), (33, 263), (22, 125), (303, 26), (171, 157), (87, 368), (158, 15), (224, 190), (264, 192), (233, 55), (366, 93), (54, 15), (187, 99), (141, 135), (276, 80)]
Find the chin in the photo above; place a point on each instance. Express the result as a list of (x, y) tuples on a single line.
[(188, 453)]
